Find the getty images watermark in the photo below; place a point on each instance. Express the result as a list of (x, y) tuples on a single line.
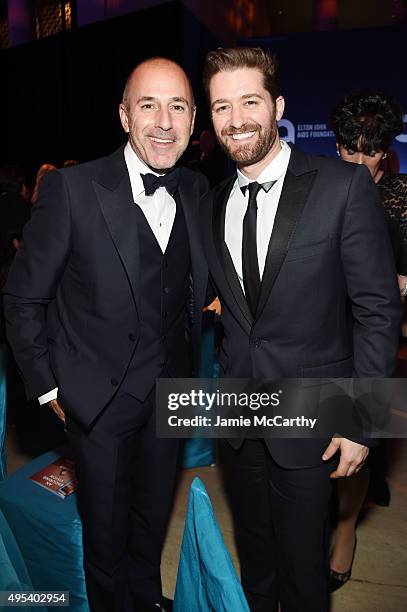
[(218, 400), (292, 408)]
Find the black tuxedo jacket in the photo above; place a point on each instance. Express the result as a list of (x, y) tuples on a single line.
[(329, 304), (72, 296)]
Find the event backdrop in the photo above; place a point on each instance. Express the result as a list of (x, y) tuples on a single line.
[(318, 69)]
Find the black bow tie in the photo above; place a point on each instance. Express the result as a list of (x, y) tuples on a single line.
[(152, 182), (266, 186)]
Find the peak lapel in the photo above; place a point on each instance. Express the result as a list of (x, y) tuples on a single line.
[(221, 197), (293, 197), (114, 194), (189, 197)]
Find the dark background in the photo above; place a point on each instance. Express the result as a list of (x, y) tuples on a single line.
[(61, 93)]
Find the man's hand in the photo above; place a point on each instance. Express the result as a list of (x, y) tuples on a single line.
[(57, 408), (353, 456), (215, 306)]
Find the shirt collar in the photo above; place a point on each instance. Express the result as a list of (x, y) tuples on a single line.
[(275, 169), (136, 167)]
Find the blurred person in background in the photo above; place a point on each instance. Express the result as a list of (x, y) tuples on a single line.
[(41, 174), (365, 124)]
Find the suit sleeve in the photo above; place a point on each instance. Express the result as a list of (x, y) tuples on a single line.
[(33, 284), (371, 280)]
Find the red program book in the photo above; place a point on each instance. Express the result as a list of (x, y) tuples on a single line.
[(57, 477)]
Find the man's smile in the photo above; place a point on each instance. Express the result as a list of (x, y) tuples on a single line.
[(243, 136)]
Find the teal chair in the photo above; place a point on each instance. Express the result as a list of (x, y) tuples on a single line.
[(200, 452), (3, 404), (13, 571), (46, 528), (207, 580)]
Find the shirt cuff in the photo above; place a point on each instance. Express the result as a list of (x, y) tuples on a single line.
[(47, 397)]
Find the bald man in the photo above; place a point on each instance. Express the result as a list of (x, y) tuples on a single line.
[(97, 303)]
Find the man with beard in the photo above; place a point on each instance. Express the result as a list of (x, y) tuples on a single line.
[(300, 258), (96, 304)]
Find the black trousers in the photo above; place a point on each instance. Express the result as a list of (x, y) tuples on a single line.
[(281, 528), (126, 483)]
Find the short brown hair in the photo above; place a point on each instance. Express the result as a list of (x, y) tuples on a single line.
[(223, 60)]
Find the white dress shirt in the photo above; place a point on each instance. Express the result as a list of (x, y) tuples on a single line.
[(267, 203), (159, 209)]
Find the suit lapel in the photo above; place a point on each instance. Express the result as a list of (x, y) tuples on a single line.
[(221, 197), (296, 188), (114, 194), (189, 197)]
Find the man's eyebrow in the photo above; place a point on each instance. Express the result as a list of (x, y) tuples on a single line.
[(252, 95), (244, 97), (219, 101), (153, 99), (146, 99), (179, 99)]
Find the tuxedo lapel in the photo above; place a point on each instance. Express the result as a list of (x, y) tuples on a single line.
[(221, 197), (189, 198), (114, 194), (296, 188)]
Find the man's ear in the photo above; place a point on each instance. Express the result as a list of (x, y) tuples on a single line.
[(124, 117), (280, 106)]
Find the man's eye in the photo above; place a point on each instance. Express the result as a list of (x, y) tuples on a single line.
[(251, 103), (178, 108), (221, 109), (147, 106)]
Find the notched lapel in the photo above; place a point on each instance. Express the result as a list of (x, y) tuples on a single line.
[(221, 197), (118, 210), (292, 201)]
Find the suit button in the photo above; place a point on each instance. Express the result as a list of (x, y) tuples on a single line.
[(114, 382), (132, 337), (163, 338), (257, 342), (165, 263), (165, 314), (166, 290)]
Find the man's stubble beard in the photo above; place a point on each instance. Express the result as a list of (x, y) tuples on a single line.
[(248, 155)]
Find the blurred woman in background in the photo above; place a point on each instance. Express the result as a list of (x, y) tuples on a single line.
[(42, 172), (365, 124)]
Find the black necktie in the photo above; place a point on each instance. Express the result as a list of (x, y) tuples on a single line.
[(250, 263), (152, 182)]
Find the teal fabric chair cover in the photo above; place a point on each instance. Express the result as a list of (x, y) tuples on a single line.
[(198, 452), (48, 532), (3, 405), (13, 572), (201, 451), (207, 580)]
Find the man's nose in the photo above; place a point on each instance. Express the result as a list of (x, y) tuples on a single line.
[(237, 117), (164, 119)]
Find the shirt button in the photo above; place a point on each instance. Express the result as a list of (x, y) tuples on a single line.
[(114, 382), (166, 290), (132, 337)]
